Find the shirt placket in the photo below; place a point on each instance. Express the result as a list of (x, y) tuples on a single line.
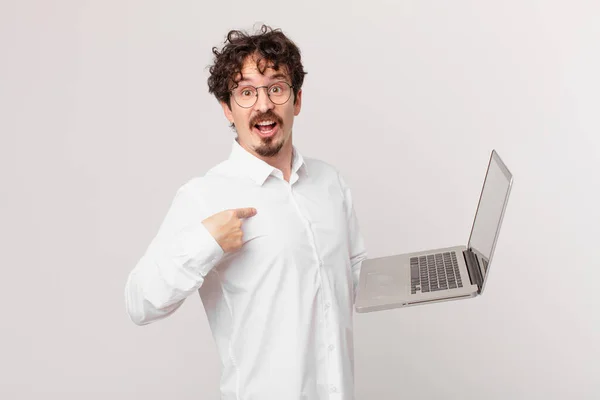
[(325, 300)]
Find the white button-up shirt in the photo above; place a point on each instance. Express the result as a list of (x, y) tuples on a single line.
[(281, 307)]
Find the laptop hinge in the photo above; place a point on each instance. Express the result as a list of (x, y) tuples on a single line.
[(473, 268)]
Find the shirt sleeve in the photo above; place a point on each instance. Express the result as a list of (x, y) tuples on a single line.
[(357, 250), (174, 264)]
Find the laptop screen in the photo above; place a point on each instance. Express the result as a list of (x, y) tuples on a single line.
[(488, 218)]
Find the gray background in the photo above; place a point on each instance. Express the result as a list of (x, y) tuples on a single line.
[(104, 113)]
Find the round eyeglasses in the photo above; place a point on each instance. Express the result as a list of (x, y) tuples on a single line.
[(246, 95)]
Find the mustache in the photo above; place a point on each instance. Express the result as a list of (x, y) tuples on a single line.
[(268, 115)]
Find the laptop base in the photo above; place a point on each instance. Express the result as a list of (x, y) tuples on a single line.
[(386, 282)]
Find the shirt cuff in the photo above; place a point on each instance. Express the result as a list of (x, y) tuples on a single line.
[(201, 250)]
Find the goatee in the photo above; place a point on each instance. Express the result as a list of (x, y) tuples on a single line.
[(268, 148)]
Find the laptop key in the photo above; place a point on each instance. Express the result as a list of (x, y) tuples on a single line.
[(434, 272)]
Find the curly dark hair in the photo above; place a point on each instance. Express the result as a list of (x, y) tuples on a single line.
[(270, 45)]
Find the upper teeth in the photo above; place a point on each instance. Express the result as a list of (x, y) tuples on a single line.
[(266, 123)]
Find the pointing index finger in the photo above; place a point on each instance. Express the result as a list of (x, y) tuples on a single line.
[(245, 212)]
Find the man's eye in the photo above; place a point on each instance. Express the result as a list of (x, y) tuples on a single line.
[(246, 93)]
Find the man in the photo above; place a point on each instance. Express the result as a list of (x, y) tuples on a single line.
[(268, 238)]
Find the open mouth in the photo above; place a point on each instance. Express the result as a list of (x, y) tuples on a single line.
[(266, 128)]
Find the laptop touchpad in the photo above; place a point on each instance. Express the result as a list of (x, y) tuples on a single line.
[(384, 284)]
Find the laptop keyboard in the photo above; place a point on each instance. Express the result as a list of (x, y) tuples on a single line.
[(434, 272)]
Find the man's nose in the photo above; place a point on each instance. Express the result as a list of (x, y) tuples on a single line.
[(263, 103)]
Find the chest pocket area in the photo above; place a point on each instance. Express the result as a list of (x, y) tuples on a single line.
[(256, 229), (241, 270), (329, 216)]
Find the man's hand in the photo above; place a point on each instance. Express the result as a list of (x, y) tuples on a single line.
[(226, 227)]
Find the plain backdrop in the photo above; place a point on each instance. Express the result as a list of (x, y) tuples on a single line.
[(104, 113)]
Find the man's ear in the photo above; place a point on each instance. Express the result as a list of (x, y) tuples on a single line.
[(298, 103), (227, 112)]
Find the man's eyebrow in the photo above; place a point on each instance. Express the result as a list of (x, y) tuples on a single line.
[(279, 75)]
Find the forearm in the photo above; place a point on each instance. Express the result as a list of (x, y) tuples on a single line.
[(175, 263), (168, 273), (142, 299)]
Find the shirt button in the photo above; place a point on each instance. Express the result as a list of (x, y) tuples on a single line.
[(333, 389), (331, 347), (327, 305)]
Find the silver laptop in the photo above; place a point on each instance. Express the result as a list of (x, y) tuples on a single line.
[(442, 274)]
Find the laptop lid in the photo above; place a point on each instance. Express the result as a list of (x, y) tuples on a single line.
[(490, 212)]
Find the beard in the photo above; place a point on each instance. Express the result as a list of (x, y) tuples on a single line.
[(269, 147)]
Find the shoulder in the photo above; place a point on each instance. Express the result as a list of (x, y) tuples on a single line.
[(325, 172), (219, 187), (321, 168), (214, 178)]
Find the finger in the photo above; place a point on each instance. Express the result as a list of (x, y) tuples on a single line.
[(245, 212)]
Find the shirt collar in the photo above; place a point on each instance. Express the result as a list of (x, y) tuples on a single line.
[(257, 169)]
